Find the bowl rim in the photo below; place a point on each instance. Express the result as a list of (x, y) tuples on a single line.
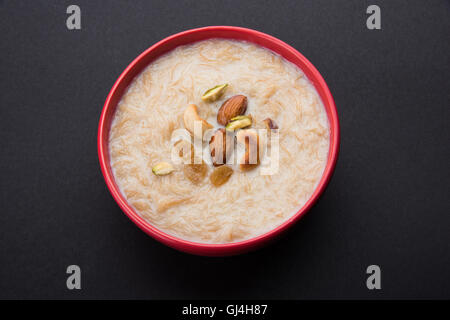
[(219, 249)]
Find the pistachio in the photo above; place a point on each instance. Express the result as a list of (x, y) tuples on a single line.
[(190, 117), (214, 93), (220, 146), (250, 140), (239, 122), (162, 168), (220, 175), (270, 124), (234, 106)]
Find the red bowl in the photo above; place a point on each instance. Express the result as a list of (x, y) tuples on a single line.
[(188, 37)]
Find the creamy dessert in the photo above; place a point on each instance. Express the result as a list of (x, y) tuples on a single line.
[(255, 148)]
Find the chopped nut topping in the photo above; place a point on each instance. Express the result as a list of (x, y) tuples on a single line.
[(239, 122), (233, 107), (190, 117), (162, 169), (214, 93), (270, 124)]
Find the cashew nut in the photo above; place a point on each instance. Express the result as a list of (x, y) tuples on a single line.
[(191, 117)]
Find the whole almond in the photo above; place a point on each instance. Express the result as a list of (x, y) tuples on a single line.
[(220, 146), (233, 107)]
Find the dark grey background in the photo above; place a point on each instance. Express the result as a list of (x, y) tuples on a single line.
[(387, 204)]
